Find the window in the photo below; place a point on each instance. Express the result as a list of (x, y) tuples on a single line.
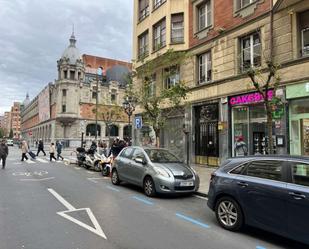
[(204, 68), (64, 108), (114, 96), (158, 3), (304, 32), (265, 169), (79, 75), (204, 15), (72, 75), (250, 51), (177, 28), (238, 170), (112, 130), (300, 173), (143, 9), (127, 153), (143, 45), (138, 154), (171, 76), (90, 130), (94, 94), (159, 32), (65, 74), (151, 85), (244, 3), (64, 92)]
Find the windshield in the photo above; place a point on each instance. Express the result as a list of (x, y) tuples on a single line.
[(161, 156)]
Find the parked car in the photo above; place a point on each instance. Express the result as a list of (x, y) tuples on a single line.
[(268, 192), (9, 142), (155, 170)]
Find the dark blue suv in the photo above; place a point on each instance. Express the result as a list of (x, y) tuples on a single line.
[(268, 192)]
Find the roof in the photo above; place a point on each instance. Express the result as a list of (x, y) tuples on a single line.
[(71, 52), (270, 157)]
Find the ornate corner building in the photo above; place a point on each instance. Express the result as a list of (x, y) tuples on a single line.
[(67, 107)]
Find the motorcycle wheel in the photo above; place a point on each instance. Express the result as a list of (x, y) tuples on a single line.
[(105, 171), (97, 166)]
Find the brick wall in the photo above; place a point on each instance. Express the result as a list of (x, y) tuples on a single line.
[(223, 17)]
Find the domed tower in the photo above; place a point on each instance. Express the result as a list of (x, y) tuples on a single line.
[(70, 65), (26, 101)]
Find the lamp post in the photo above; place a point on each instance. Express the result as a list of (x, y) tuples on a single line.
[(99, 73), (129, 107)]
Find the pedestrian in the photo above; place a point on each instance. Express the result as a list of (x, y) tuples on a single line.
[(52, 151), (59, 150), (24, 150), (241, 148), (4, 151), (40, 148)]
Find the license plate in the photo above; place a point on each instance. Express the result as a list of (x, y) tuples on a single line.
[(186, 184)]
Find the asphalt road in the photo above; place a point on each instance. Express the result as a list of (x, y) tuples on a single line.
[(47, 205)]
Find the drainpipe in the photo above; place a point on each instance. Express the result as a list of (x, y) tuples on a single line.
[(271, 53)]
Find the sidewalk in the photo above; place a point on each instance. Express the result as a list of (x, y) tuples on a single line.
[(204, 173)]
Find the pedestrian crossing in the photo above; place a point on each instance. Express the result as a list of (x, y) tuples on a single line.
[(37, 160)]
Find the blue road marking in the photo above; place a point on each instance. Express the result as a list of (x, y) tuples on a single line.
[(114, 189), (142, 200), (260, 247), (196, 222)]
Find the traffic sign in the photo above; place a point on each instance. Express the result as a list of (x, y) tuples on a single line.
[(138, 122)]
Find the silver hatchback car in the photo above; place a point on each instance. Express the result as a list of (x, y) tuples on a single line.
[(156, 170)]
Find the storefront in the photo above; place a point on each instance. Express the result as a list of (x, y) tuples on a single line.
[(249, 124), (298, 97)]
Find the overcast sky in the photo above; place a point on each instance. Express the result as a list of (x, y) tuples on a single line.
[(34, 33)]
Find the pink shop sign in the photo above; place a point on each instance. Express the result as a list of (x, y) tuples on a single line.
[(250, 98)]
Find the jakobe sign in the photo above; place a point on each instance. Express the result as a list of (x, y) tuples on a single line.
[(138, 122)]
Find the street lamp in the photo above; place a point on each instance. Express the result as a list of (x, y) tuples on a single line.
[(99, 73), (129, 107)]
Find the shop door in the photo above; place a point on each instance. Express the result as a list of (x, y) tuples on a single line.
[(206, 131), (305, 137), (295, 138)]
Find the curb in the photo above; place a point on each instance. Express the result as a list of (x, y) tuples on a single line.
[(201, 194)]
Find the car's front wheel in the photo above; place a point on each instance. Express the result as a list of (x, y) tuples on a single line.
[(229, 214), (149, 187), (115, 177)]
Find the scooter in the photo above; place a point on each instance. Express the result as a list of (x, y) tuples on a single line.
[(92, 161), (106, 164)]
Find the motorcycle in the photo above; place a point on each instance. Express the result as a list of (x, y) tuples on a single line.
[(81, 156)]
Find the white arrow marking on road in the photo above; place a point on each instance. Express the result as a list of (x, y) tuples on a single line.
[(97, 230)]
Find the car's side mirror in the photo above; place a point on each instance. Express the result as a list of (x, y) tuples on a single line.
[(140, 160)]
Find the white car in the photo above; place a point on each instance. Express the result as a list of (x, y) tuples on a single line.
[(9, 142)]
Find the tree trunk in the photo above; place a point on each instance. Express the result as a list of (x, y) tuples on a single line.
[(157, 133)]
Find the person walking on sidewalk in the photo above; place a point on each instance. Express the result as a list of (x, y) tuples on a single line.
[(4, 151), (40, 148), (52, 151), (59, 150), (24, 150)]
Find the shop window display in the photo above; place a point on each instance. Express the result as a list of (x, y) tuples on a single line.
[(250, 124)]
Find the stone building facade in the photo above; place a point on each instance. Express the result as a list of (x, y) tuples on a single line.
[(224, 38), (66, 108)]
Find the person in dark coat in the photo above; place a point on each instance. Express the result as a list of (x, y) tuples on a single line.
[(4, 151), (40, 148), (59, 150)]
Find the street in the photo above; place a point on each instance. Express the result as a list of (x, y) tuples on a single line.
[(53, 205)]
